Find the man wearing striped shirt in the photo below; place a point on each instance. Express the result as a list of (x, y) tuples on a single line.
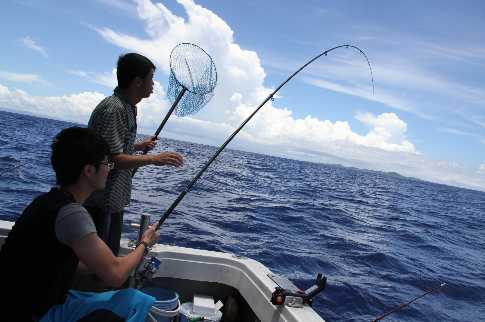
[(114, 119)]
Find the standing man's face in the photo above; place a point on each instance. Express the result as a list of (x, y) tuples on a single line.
[(147, 85)]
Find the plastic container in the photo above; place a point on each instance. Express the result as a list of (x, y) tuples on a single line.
[(166, 306), (187, 314)]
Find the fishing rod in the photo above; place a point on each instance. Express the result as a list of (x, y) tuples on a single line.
[(270, 97), (403, 305)]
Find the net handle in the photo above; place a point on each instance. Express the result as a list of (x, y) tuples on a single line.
[(174, 105), (155, 136)]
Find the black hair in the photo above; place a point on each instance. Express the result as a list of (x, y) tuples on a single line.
[(72, 149), (130, 66)]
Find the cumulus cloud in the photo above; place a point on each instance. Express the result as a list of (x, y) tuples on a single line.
[(388, 132), (104, 79), (241, 83), (241, 87), (274, 129), (481, 168), (20, 77), (75, 107), (32, 44)]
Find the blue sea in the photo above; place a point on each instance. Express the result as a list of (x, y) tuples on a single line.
[(381, 239)]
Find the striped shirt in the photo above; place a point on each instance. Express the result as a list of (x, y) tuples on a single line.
[(114, 119)]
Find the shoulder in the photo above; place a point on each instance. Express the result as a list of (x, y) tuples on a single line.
[(74, 216), (73, 222), (109, 105), (72, 209)]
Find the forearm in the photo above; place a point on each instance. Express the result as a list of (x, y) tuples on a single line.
[(127, 161), (124, 266), (97, 256), (83, 269)]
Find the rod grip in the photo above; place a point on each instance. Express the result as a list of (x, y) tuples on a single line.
[(144, 223)]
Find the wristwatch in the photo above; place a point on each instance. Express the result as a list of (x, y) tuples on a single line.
[(147, 247)]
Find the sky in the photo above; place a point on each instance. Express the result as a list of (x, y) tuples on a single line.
[(425, 118)]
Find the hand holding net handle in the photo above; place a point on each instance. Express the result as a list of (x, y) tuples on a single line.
[(174, 105)]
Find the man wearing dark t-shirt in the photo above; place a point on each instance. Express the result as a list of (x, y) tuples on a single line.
[(55, 236)]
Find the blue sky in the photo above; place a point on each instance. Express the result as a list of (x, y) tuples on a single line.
[(425, 120)]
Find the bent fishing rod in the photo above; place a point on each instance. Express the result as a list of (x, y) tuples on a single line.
[(270, 97)]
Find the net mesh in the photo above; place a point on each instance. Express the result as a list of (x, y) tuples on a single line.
[(193, 69)]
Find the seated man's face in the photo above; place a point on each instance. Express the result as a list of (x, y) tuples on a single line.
[(102, 174)]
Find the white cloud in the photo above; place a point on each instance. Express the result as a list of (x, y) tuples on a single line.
[(241, 81), (274, 130), (435, 94), (124, 5), (75, 108), (31, 44), (20, 77), (481, 168), (105, 79), (469, 54), (457, 132), (388, 132)]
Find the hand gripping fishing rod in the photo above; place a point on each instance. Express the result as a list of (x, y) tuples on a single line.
[(270, 96)]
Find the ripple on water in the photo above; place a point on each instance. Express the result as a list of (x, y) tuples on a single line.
[(380, 238)]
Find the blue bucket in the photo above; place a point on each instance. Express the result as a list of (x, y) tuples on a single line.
[(166, 306)]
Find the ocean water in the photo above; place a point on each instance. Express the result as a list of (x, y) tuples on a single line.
[(381, 239)]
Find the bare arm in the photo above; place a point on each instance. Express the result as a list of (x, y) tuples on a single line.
[(127, 161), (98, 258)]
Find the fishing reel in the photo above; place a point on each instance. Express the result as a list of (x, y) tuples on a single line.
[(148, 265), (145, 274), (295, 297)]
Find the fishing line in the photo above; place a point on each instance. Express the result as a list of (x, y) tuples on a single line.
[(403, 305)]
